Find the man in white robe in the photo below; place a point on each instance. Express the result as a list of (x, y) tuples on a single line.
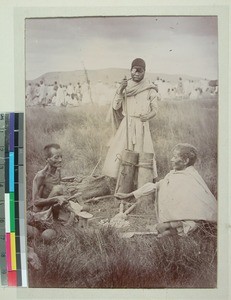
[(42, 93), (141, 104), (183, 196), (28, 94), (70, 89)]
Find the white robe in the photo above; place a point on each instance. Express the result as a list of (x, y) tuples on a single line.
[(42, 93), (139, 136), (70, 89), (28, 94), (182, 195), (60, 97)]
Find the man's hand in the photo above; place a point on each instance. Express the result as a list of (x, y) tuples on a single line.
[(123, 85), (60, 200), (148, 116), (144, 118)]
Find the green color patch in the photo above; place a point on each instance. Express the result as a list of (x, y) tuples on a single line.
[(12, 213)]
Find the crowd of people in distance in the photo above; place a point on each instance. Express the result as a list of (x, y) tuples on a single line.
[(53, 94), (58, 94), (186, 89)]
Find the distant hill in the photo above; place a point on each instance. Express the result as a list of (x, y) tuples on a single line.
[(108, 76)]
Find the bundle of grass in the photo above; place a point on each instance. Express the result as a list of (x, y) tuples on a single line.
[(102, 259)]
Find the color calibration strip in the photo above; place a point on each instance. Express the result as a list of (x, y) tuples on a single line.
[(3, 264), (13, 264)]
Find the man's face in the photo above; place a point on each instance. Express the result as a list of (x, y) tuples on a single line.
[(137, 73), (178, 163), (55, 158)]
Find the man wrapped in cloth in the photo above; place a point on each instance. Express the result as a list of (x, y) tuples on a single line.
[(184, 199), (141, 106)]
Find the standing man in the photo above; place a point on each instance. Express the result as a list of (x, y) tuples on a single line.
[(78, 92), (142, 106), (69, 93), (42, 93), (28, 94), (60, 96), (180, 88)]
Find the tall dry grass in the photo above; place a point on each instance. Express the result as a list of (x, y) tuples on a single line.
[(102, 259), (83, 134), (194, 122)]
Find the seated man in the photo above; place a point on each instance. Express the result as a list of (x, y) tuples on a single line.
[(183, 196), (47, 193)]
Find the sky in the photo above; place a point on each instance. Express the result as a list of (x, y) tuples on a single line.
[(170, 45)]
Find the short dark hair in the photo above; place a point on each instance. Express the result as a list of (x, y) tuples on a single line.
[(47, 149), (187, 151)]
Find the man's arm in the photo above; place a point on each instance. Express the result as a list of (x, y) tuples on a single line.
[(146, 189), (119, 96), (153, 105), (37, 190), (117, 102)]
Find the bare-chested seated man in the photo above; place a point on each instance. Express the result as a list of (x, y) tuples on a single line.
[(47, 192)]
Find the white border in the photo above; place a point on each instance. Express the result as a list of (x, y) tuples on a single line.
[(12, 78)]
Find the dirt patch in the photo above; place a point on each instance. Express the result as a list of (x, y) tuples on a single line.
[(106, 209)]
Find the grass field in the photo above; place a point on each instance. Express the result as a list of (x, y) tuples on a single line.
[(102, 259), (99, 257), (83, 134)]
